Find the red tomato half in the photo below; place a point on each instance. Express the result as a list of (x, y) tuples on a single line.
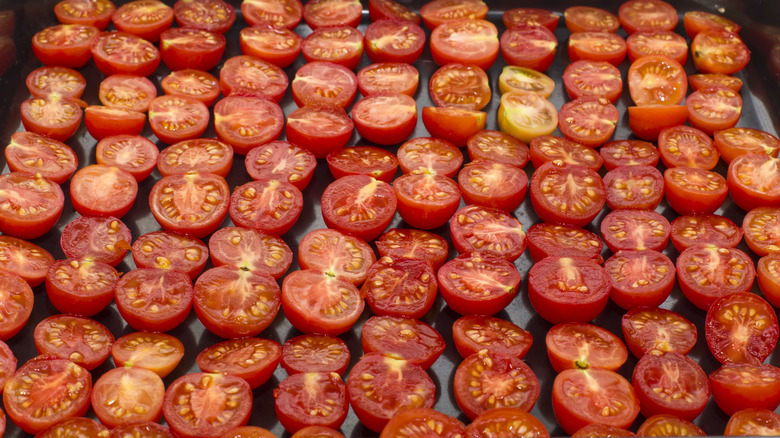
[(250, 250), (276, 13), (341, 45), (394, 40), (80, 287), (178, 118), (192, 83), (567, 193), (52, 116), (336, 254), (634, 187), (593, 79), (379, 9), (101, 239), (402, 337), (252, 359), (530, 16), (647, 121), (385, 119), (82, 340), (311, 399), (635, 229), (597, 46), (146, 306), (421, 420), (314, 302), (315, 353), (319, 129), (590, 19), (753, 422), (640, 278), (551, 239), (267, 205), (66, 45), (761, 226), (690, 190), (473, 284), (104, 121), (358, 205), (743, 386), (655, 330), (460, 85), (16, 305), (733, 142), (686, 146), (488, 231), (281, 160), (714, 109), (193, 203), (741, 328), (588, 120), (529, 46), (548, 148), (146, 19), (90, 12), (429, 155), (246, 122), (639, 15), (493, 184), (453, 124), (473, 333), (690, 230), (753, 181), (164, 250), (128, 395), (34, 204), (708, 272), (426, 201), (132, 153), (211, 15), (100, 190), (437, 12), (671, 384), (415, 244), (388, 77), (698, 21), (120, 52), (399, 286), (157, 352), (38, 154), (127, 91), (279, 46), (25, 259), (701, 81), (328, 13), (657, 80), (324, 83), (497, 146), (197, 49), (198, 155), (719, 51), (62, 81), (468, 41), (657, 42), (577, 345), (367, 160)]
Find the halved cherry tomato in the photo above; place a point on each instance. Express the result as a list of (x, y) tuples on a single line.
[(526, 115), (590, 19), (487, 231), (277, 13), (426, 201), (340, 44), (252, 359), (497, 146), (31, 204), (548, 148), (403, 337), (394, 40), (128, 395), (655, 330), (691, 190), (698, 21), (647, 121), (192, 83), (80, 287), (146, 306), (657, 80), (25, 259), (38, 154), (194, 401), (55, 388), (311, 399), (635, 229), (742, 386), (597, 46), (411, 421), (367, 160), (282, 161), (146, 19), (62, 81), (567, 193), (177, 118), (347, 258), (82, 340), (530, 16), (473, 333), (279, 46), (595, 395), (245, 122), (596, 430), (315, 353), (183, 48), (430, 155), (415, 244), (668, 425), (52, 116), (127, 91), (708, 272), (211, 15), (89, 12), (588, 120), (460, 85), (132, 153), (753, 181), (467, 41), (753, 422), (577, 345), (402, 287), (388, 77), (762, 230), (719, 51), (66, 45), (672, 384), (267, 205), (529, 46), (552, 239), (193, 203), (385, 386), (314, 302), (16, 305), (146, 429), (640, 278), (640, 15), (104, 121), (714, 109), (121, 52), (324, 83), (101, 239), (379, 9), (657, 42), (438, 12), (157, 352), (236, 303), (250, 250), (769, 277), (100, 190), (329, 13), (702, 81), (319, 129), (506, 419), (733, 142), (741, 327), (198, 155), (486, 380), (690, 230), (474, 284), (385, 119), (593, 79), (358, 205), (687, 147), (493, 184), (525, 79), (629, 153), (455, 125)]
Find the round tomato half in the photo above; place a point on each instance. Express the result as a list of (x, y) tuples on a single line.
[(566, 193)]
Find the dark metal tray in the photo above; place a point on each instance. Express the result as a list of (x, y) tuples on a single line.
[(761, 101)]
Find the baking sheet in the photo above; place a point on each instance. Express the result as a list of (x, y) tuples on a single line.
[(761, 100)]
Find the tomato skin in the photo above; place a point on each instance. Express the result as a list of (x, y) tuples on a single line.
[(402, 337), (742, 386), (496, 286), (191, 48), (752, 180), (424, 421), (671, 384), (103, 121), (141, 396), (385, 119), (548, 195), (319, 129), (279, 46), (47, 393), (93, 13), (555, 288), (648, 121), (426, 201), (40, 193), (157, 352), (529, 46), (267, 13), (16, 304), (405, 43), (588, 120), (266, 205), (727, 271), (315, 353), (640, 278), (769, 278), (110, 53), (488, 231), (252, 359), (691, 190), (597, 46), (177, 118), (262, 118), (593, 396), (234, 303), (655, 330), (741, 328), (33, 153), (173, 304), (299, 394), (66, 45), (719, 51), (753, 422), (54, 117), (229, 393), (212, 15), (575, 345), (698, 21), (307, 297), (390, 391), (590, 19), (455, 125), (100, 190), (551, 239), (359, 205)]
